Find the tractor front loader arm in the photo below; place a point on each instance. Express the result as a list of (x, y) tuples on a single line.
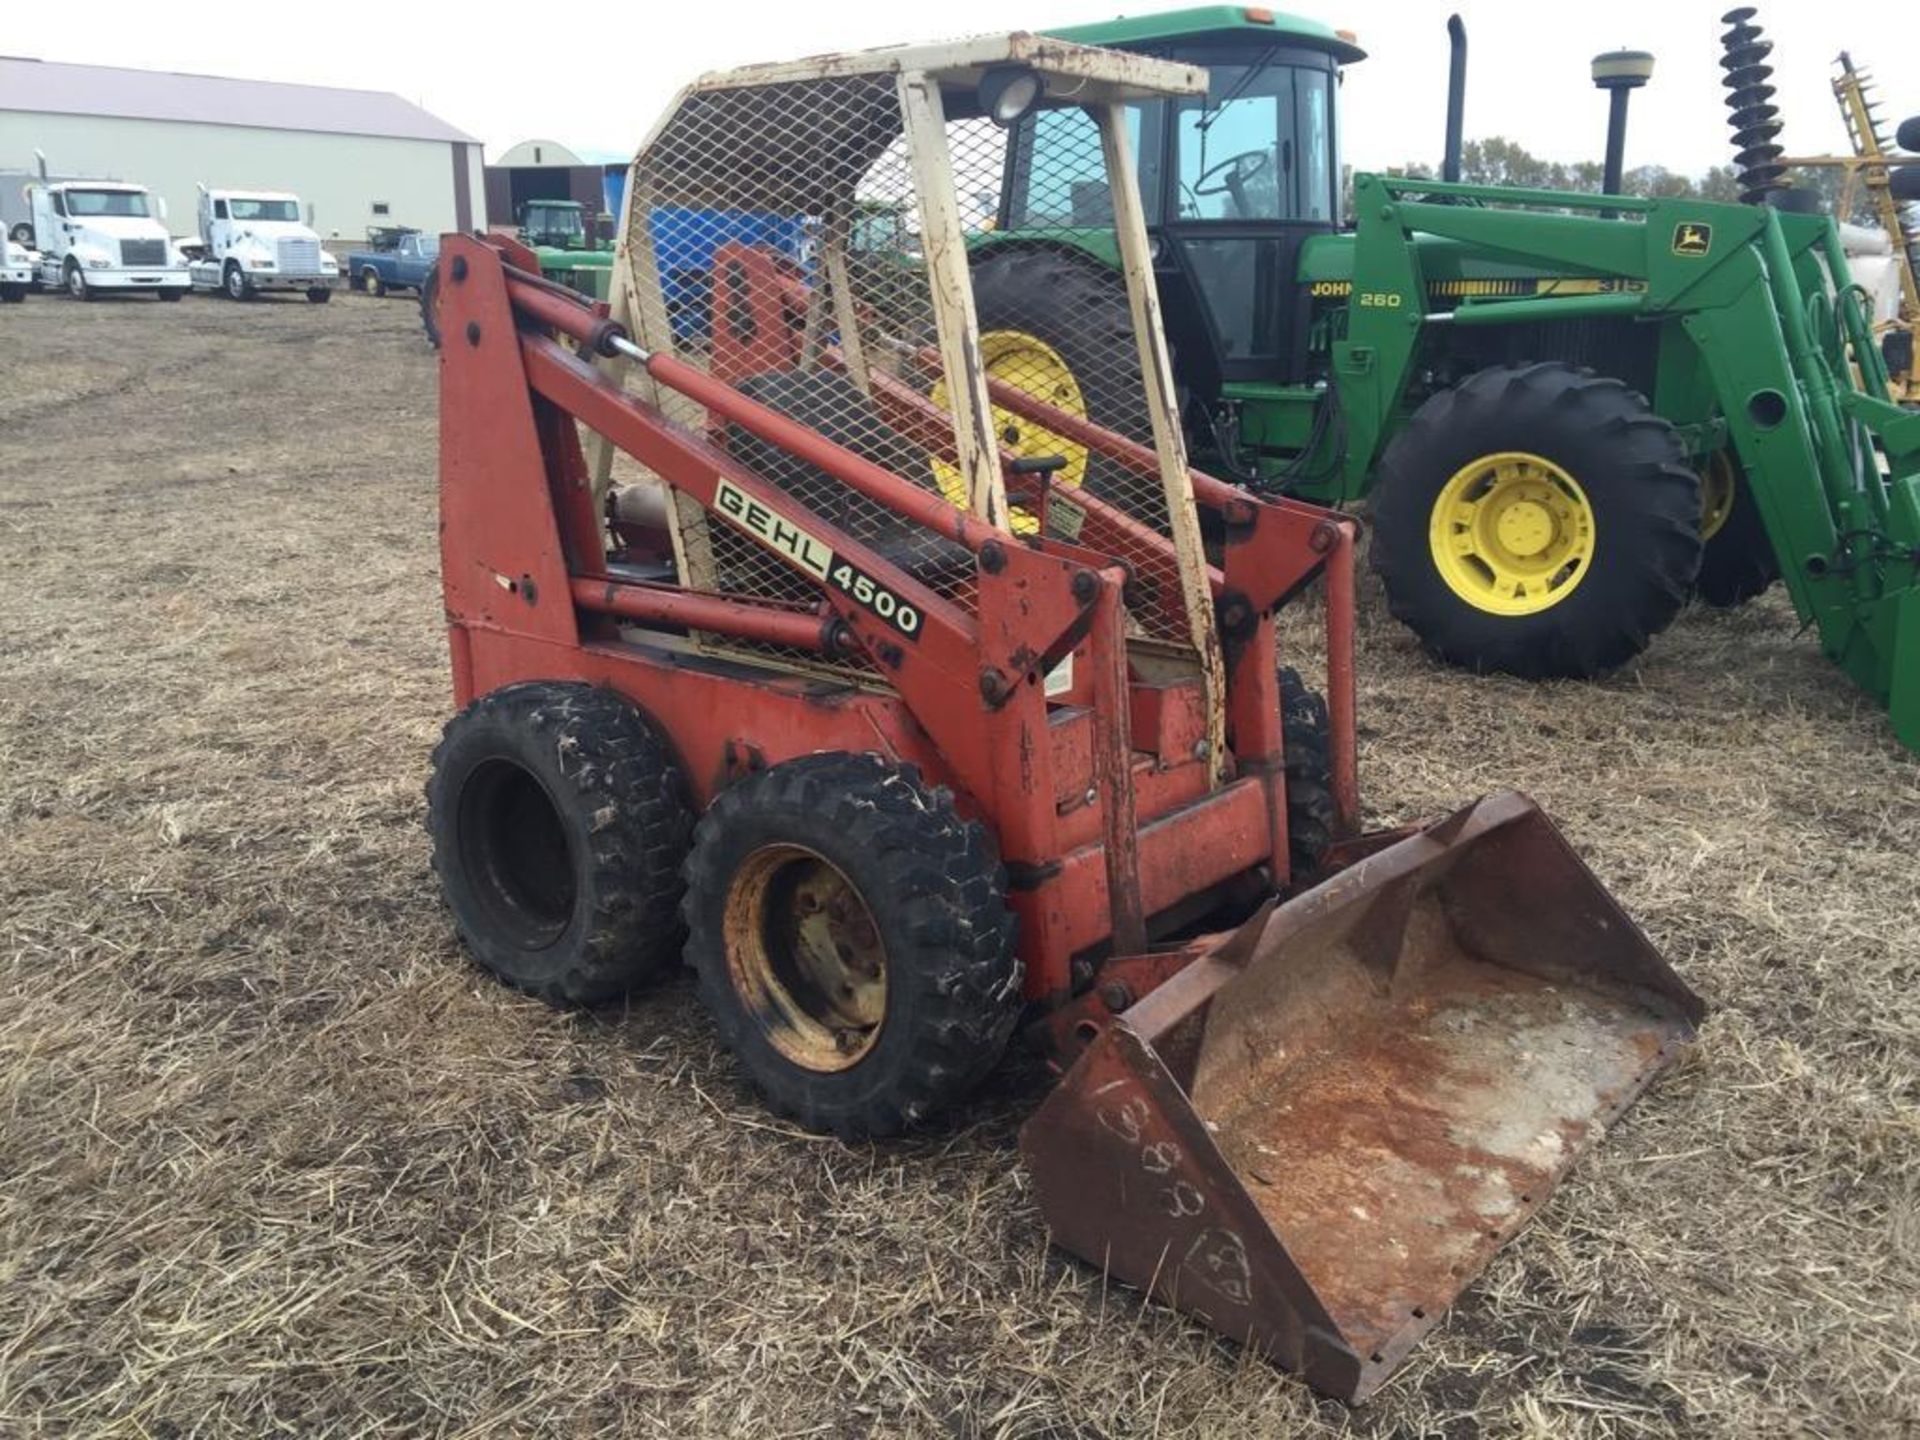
[(1791, 378)]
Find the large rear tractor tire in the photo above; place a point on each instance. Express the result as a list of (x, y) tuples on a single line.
[(560, 827), (1738, 562), (1537, 519), (1059, 327), (852, 938)]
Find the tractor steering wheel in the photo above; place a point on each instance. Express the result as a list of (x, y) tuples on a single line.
[(1234, 172)]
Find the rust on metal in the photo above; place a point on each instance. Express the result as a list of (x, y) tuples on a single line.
[(1316, 1134)]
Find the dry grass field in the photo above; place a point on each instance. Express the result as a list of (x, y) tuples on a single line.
[(276, 1159)]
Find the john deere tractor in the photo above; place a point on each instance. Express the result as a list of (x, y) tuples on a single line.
[(569, 252), (1569, 412)]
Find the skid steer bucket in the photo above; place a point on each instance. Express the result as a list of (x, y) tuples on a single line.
[(1313, 1137)]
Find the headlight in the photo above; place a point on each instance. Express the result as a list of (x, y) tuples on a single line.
[(260, 264), (99, 263)]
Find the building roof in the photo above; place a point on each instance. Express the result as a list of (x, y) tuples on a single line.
[(542, 153), (53, 88)]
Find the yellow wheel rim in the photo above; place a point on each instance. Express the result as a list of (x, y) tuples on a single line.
[(1717, 488), (1512, 533), (1027, 363), (806, 958)]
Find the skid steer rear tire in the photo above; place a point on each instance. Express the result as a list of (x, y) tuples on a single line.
[(560, 827), (1637, 492), (1738, 562), (818, 875)]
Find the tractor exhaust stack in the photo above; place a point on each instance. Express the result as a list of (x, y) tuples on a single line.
[(1313, 1138), (1456, 97)]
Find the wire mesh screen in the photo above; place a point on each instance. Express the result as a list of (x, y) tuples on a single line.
[(1056, 328), (780, 236)]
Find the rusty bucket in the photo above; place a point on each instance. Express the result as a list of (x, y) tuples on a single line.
[(1315, 1136)]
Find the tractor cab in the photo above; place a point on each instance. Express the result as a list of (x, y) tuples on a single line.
[(1234, 182), (558, 224)]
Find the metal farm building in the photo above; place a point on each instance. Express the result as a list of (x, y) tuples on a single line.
[(357, 157)]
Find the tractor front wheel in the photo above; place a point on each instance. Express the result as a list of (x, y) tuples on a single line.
[(560, 826), (852, 939), (1539, 520), (1738, 562)]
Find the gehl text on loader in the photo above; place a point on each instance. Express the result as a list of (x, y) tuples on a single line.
[(915, 710)]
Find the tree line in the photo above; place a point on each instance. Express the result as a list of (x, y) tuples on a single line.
[(1497, 160)]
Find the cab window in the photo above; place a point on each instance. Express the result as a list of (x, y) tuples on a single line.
[(1258, 147), (1068, 184)]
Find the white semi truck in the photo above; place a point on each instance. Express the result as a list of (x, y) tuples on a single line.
[(16, 271), (97, 236), (255, 240)]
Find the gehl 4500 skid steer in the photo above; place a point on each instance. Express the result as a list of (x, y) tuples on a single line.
[(902, 737)]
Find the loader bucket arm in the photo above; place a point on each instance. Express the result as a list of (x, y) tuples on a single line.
[(1315, 1137)]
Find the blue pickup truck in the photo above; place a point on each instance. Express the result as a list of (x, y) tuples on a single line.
[(394, 260)]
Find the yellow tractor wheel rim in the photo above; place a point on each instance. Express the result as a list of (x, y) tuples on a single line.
[(1027, 363), (1717, 489), (806, 957), (1512, 533)]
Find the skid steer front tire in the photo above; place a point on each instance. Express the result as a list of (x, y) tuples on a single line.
[(430, 306), (852, 940), (1306, 733), (560, 827), (1538, 520)]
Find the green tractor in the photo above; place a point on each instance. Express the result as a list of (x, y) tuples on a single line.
[(1570, 413), (569, 254)]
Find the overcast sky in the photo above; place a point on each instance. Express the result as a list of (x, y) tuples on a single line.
[(502, 74)]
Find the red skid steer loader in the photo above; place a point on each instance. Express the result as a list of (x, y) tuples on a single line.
[(910, 705)]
